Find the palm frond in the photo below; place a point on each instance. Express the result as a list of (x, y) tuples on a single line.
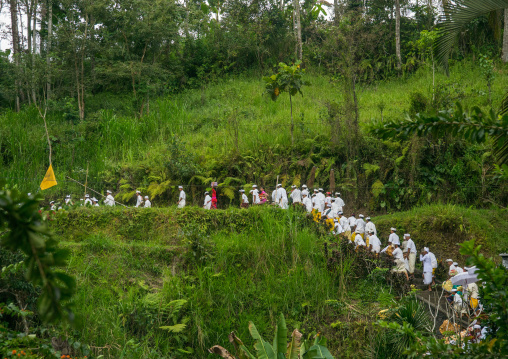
[(456, 16)]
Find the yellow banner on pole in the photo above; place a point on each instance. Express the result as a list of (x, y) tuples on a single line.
[(49, 179)]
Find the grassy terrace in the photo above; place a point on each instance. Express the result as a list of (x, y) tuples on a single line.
[(134, 269)]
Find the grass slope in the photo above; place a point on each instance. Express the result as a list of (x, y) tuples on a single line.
[(205, 120), (232, 267)]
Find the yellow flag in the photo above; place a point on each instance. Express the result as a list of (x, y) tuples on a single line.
[(49, 179)]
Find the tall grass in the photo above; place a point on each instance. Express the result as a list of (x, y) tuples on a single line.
[(108, 139), (248, 276)]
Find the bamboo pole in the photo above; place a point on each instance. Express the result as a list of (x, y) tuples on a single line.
[(86, 178)]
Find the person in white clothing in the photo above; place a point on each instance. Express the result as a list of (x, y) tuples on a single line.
[(410, 253), (321, 197), (88, 201), (399, 261), (337, 229), (282, 197), (208, 201), (244, 202), (110, 200), (95, 202), (307, 203), (359, 240), (52, 204), (360, 226), (352, 220), (335, 208), (68, 200), (340, 201), (255, 195), (451, 268), (181, 197), (457, 268), (393, 236), (328, 199), (315, 203), (344, 222), (369, 226), (434, 266), (296, 195), (374, 243), (274, 196), (139, 199), (427, 267), (305, 190), (148, 204)]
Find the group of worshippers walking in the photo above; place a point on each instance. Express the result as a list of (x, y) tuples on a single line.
[(88, 201)]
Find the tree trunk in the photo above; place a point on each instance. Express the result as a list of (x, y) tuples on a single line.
[(505, 37), (34, 49), (15, 43), (296, 4), (397, 34), (336, 11), (48, 49)]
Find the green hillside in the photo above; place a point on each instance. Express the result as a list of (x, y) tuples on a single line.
[(231, 267), (233, 133)]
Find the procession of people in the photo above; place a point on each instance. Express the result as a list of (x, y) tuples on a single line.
[(328, 209)]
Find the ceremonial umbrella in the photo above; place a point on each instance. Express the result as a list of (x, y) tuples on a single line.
[(464, 279)]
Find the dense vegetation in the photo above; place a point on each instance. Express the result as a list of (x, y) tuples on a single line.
[(160, 281), (148, 95)]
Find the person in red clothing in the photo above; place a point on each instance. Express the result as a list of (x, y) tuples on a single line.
[(214, 198)]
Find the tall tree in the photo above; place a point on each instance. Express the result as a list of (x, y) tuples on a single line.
[(48, 49), (298, 23), (15, 43), (505, 36), (397, 34)]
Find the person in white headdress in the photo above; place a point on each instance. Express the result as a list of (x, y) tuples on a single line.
[(148, 204), (360, 225), (88, 201), (181, 197), (340, 201), (374, 243), (307, 203), (369, 226), (410, 253), (344, 222), (53, 206), (359, 240), (398, 257), (208, 201), (282, 197), (427, 267), (321, 197), (393, 240), (457, 268), (274, 196), (296, 195), (95, 202), (139, 199), (110, 200), (244, 201), (68, 200), (393, 237), (452, 270), (328, 199), (255, 195), (305, 191), (337, 228)]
